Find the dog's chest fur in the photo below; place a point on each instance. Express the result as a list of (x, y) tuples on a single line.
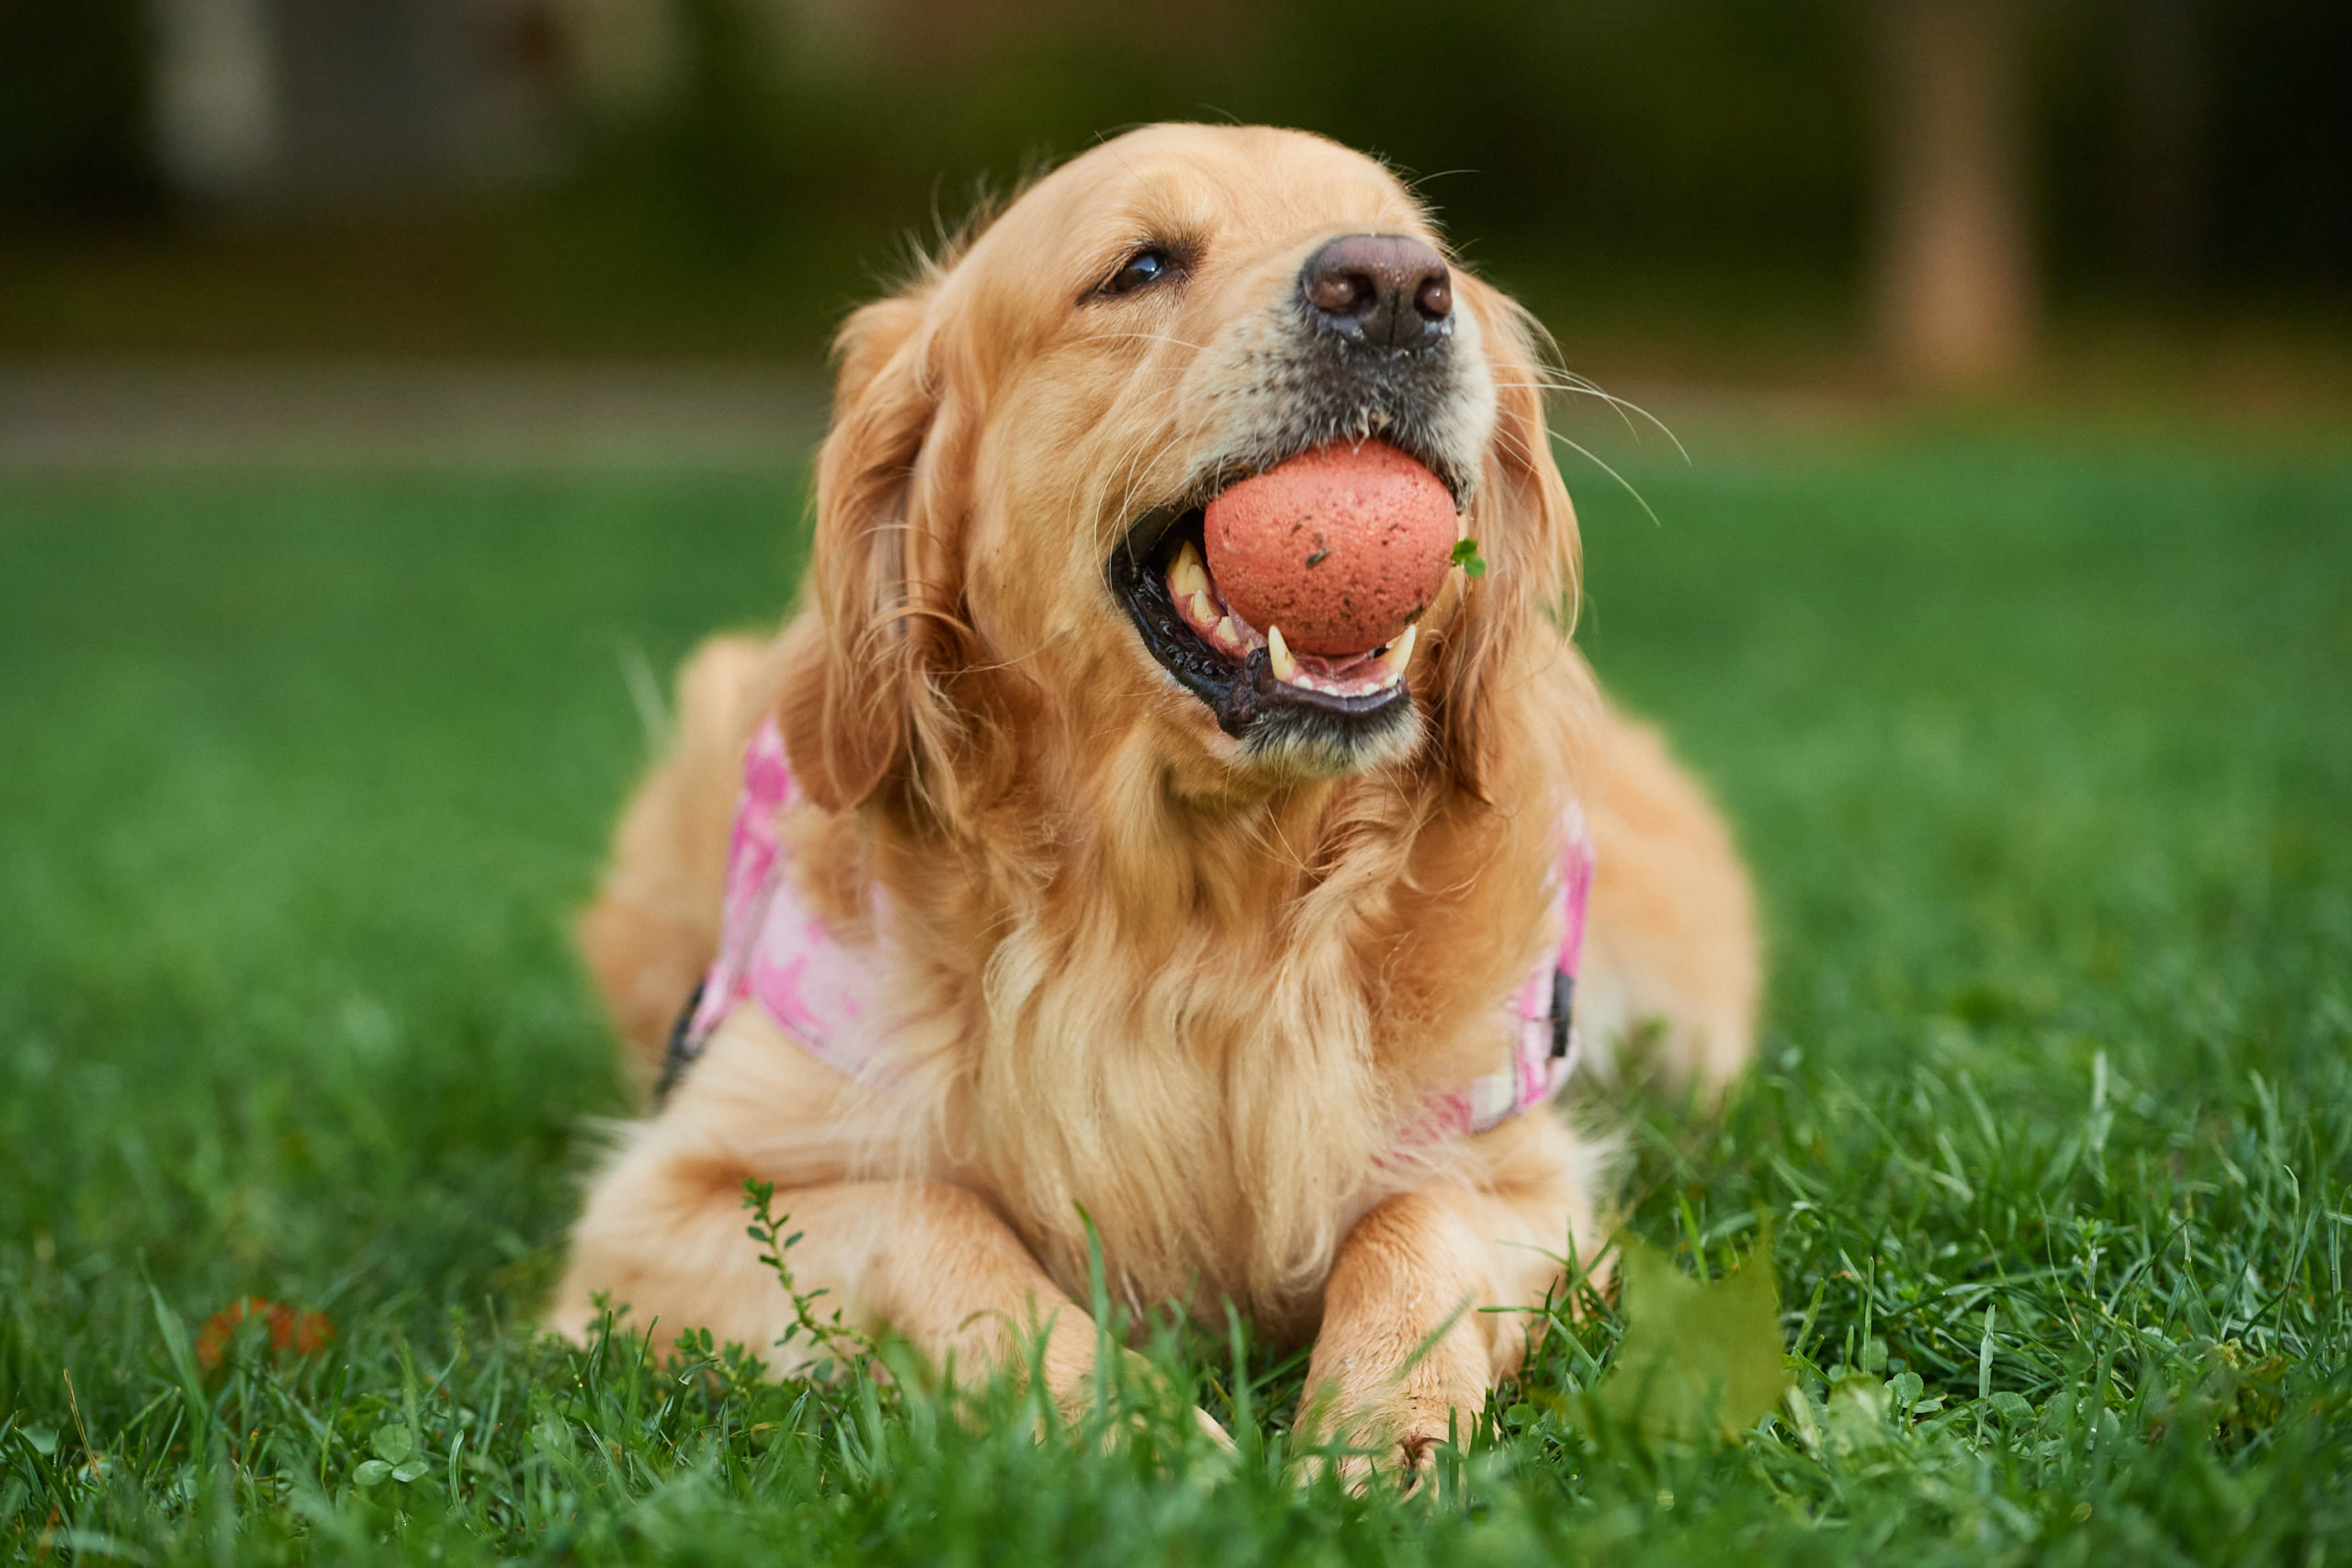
[(1209, 1052)]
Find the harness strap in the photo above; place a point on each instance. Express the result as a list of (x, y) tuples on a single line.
[(772, 948)]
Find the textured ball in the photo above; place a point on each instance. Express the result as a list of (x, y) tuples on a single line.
[(1341, 547)]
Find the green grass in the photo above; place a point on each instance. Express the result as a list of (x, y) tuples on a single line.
[(2041, 749)]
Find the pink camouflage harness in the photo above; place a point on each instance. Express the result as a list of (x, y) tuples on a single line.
[(775, 950)]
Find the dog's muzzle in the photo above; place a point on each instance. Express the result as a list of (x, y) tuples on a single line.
[(1368, 345)]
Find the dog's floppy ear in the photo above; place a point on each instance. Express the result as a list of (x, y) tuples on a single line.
[(1526, 530), (878, 572)]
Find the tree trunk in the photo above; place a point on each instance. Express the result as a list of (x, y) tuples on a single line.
[(1955, 286), (2163, 103), (216, 110)]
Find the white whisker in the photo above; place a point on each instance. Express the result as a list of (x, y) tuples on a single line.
[(1580, 386), (1590, 457)]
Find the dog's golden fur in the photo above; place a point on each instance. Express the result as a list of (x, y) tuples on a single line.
[(1198, 989)]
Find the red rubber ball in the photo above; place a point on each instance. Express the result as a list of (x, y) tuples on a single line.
[(1341, 547)]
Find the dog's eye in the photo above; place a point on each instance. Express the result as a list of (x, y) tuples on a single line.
[(1140, 270)]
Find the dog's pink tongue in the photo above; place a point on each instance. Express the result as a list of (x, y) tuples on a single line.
[(1341, 547)]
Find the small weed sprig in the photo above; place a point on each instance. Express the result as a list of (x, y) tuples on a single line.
[(847, 1347)]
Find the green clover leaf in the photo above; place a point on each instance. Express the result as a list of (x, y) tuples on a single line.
[(1696, 1356)]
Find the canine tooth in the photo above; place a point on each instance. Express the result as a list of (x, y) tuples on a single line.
[(1202, 612), (1400, 652), (1189, 577), (1278, 655)]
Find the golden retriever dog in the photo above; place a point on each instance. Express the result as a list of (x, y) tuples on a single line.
[(1151, 925)]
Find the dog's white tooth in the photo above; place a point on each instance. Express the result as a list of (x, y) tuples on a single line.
[(1278, 655), (1189, 576), (1227, 632), (1400, 652), (1202, 612)]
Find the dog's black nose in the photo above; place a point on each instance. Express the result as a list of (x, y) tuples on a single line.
[(1384, 290)]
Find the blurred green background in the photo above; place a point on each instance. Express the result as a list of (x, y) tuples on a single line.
[(2142, 192)]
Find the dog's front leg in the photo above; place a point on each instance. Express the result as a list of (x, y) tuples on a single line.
[(1405, 1354), (664, 1235)]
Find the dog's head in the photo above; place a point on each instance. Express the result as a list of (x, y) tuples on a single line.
[(1024, 440)]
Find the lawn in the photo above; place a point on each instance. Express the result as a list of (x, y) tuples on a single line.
[(2042, 747)]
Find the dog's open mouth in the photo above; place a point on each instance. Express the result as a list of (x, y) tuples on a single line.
[(1245, 673)]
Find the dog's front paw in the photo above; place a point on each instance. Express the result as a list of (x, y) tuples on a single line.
[(1372, 1408)]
